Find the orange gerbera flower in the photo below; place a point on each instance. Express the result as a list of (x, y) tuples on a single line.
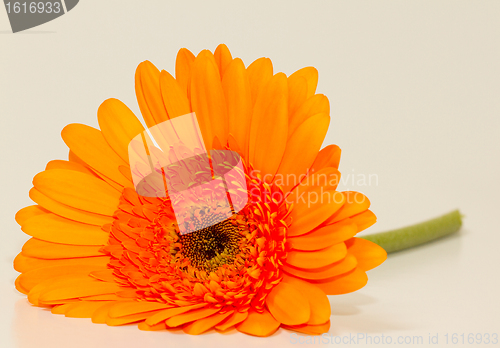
[(100, 250)]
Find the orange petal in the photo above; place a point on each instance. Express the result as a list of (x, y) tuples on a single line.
[(83, 309), (101, 314), (297, 93), (238, 95), (317, 104), (268, 139), (302, 148), (24, 263), (174, 97), (233, 145), (324, 236), (47, 250), (343, 284), (364, 220), (171, 312), (86, 288), (318, 301), (133, 318), (234, 319), (53, 228), (188, 317), (183, 64), (222, 58), (74, 158), (317, 259), (310, 74), (125, 170), (84, 282), (216, 144), (67, 211), (368, 254), (105, 297), (59, 164), (60, 309), (325, 179), (259, 73), (19, 287), (118, 126), (147, 90), (259, 324), (199, 326), (345, 265), (28, 212), (288, 304), (89, 145), (145, 327), (133, 307), (78, 190), (355, 203), (310, 329), (106, 275), (207, 99), (89, 170), (327, 157), (30, 279), (312, 206), (176, 104), (110, 182), (53, 283)]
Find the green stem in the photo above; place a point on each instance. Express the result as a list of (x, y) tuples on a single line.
[(411, 236)]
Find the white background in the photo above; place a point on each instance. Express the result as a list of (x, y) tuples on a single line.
[(414, 88)]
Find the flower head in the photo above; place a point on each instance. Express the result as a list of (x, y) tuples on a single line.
[(103, 249)]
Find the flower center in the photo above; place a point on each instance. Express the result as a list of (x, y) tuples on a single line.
[(232, 263), (213, 246)]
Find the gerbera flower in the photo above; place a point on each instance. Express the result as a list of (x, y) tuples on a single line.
[(100, 250)]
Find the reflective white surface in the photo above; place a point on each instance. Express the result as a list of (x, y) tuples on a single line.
[(414, 90)]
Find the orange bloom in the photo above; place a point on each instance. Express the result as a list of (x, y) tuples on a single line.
[(100, 250)]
